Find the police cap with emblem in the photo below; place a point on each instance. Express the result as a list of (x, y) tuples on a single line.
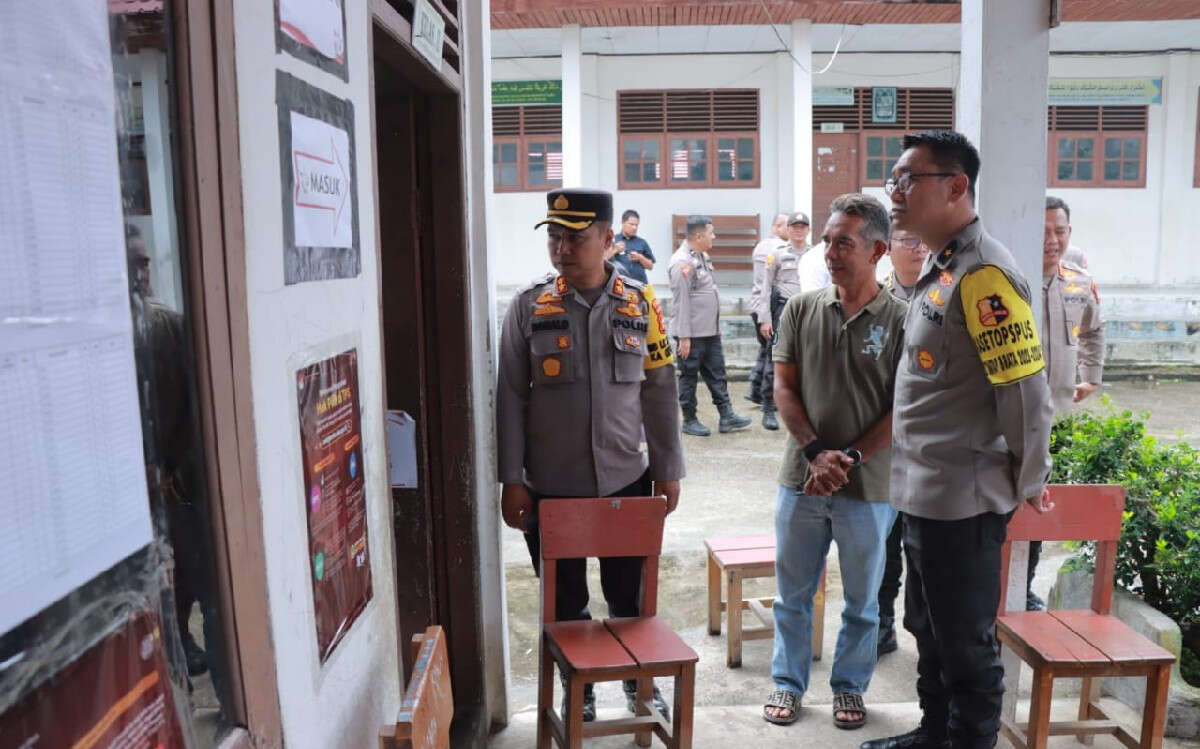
[(799, 217), (576, 208)]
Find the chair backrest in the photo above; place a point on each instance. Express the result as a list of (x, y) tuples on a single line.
[(428, 706), (601, 527), (1082, 512)]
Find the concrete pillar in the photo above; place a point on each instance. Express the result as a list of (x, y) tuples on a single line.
[(1173, 265), (801, 122), (572, 105), (1001, 107), (785, 71)]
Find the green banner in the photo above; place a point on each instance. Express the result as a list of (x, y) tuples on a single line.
[(526, 92), (1105, 91)]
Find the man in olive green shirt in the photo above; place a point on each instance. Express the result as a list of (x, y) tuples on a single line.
[(835, 368)]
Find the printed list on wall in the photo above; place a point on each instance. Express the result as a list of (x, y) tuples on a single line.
[(334, 494), (74, 496)]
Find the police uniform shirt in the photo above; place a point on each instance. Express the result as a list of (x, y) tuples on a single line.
[(781, 274), (972, 414), (897, 289), (1072, 333), (695, 302), (768, 246), (578, 383)]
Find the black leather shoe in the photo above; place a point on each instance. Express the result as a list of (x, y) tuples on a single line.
[(731, 420), (693, 427), (1033, 602), (915, 739), (754, 398), (886, 641), (769, 420), (660, 704)]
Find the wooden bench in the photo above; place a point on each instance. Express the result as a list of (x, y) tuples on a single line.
[(1088, 644), (428, 706), (585, 652), (733, 559)]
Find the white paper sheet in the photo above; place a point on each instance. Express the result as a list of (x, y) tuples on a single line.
[(316, 24), (402, 450), (322, 193), (72, 478)]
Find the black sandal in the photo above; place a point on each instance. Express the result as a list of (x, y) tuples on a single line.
[(784, 699), (848, 702)]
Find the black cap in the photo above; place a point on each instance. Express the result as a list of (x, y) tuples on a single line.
[(576, 207), (799, 217)]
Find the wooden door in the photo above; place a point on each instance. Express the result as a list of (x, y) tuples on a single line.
[(835, 172)]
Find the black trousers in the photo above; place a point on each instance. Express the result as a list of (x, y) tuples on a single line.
[(706, 359), (620, 577), (765, 353), (893, 566), (1035, 553), (951, 596), (760, 362)]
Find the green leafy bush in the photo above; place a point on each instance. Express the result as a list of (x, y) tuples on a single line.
[(1158, 556)]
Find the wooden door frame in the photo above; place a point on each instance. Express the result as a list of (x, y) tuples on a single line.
[(211, 197), (443, 273)]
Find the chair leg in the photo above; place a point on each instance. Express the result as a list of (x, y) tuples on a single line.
[(573, 720), (1089, 692), (545, 695), (714, 596), (645, 690), (1039, 709), (818, 619), (685, 695), (733, 610), (1154, 715)]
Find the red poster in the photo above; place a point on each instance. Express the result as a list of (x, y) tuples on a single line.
[(117, 694), (331, 446)]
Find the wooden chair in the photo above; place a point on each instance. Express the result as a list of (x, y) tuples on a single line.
[(1088, 644), (428, 706), (630, 648), (733, 559)]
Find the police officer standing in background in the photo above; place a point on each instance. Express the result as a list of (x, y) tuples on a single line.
[(970, 440), (585, 367), (696, 325), (769, 245)]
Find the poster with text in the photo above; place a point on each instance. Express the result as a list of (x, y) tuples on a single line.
[(117, 694), (334, 494), (316, 136), (313, 31)]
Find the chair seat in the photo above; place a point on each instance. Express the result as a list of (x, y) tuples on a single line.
[(650, 641), (588, 646), (1083, 639), (725, 543), (745, 557)]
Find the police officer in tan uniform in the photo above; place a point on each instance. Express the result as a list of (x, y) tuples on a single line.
[(1072, 335), (781, 281), (696, 324), (769, 245), (585, 367), (970, 436)]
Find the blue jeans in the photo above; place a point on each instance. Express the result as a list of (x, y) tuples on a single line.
[(804, 526)]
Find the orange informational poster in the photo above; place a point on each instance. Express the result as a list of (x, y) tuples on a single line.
[(334, 494), (117, 694)]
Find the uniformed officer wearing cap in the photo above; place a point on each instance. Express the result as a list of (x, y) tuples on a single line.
[(585, 367), (1072, 336), (781, 281), (970, 435), (768, 246), (696, 324)]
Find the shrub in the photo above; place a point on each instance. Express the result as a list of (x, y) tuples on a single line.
[(1158, 556)]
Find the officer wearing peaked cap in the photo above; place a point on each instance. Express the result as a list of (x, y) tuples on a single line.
[(585, 368)]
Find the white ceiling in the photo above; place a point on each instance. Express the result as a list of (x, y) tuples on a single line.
[(1127, 36)]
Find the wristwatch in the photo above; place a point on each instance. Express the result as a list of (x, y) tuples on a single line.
[(854, 455)]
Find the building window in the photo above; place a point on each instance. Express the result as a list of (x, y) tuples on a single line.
[(1097, 146), (881, 152), (526, 148), (688, 138)]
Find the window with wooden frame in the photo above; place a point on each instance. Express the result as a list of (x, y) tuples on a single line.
[(1097, 146), (688, 138), (880, 142), (526, 148)]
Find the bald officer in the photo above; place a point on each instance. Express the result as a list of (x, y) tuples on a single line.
[(585, 367)]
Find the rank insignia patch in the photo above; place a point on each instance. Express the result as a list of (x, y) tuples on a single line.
[(560, 285), (547, 297), (935, 296), (543, 310)]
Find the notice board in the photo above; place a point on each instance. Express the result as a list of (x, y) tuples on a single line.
[(334, 494)]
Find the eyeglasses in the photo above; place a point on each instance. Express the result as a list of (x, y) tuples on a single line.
[(908, 243), (905, 183)]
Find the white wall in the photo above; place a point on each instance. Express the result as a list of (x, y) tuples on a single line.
[(344, 701)]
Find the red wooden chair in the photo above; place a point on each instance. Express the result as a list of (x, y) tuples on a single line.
[(631, 648), (428, 706), (1088, 644)]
